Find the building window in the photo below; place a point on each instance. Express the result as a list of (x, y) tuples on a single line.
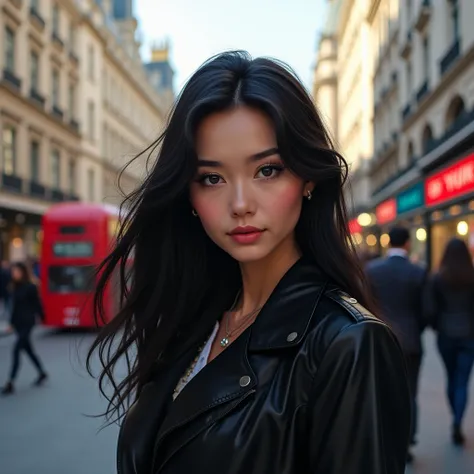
[(91, 184), (55, 169), (91, 113), (34, 71), (56, 19), (72, 38), (55, 88), (409, 79), (454, 7), (72, 176), (72, 100), (426, 57), (9, 50), (91, 63), (35, 161), (9, 150)]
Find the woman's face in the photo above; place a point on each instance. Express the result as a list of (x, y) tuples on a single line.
[(246, 199), (17, 274)]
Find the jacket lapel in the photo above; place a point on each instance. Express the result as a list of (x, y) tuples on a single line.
[(229, 378)]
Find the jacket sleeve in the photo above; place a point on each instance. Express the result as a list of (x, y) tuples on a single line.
[(36, 301), (430, 302), (359, 406)]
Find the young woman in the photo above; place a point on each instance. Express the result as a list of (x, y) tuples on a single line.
[(249, 354), (25, 309), (450, 305)]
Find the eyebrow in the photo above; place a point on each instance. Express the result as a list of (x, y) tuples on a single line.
[(256, 157)]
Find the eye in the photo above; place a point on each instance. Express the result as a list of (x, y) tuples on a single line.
[(269, 171), (210, 179)]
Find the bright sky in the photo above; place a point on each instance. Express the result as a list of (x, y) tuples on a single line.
[(198, 29)]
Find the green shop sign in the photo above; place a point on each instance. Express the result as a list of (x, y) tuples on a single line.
[(411, 198)]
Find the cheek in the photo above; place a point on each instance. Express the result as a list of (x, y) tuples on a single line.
[(286, 200), (208, 207)]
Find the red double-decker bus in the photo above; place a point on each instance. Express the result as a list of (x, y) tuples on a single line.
[(76, 238)]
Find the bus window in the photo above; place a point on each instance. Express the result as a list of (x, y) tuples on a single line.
[(70, 278)]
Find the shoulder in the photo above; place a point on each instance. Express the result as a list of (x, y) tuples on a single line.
[(376, 264), (340, 317)]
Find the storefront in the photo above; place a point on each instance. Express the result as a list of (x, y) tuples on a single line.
[(386, 214), (449, 197), (411, 214), (20, 235), (362, 232)]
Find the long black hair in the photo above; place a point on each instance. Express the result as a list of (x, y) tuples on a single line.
[(457, 269), (182, 282)]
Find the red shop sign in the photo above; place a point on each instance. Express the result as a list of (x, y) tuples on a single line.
[(452, 182), (386, 212), (354, 226)]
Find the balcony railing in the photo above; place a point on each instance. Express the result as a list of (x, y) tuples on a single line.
[(450, 57), (37, 19), (57, 112), (57, 195), (12, 182), (73, 57), (465, 119), (74, 125), (423, 15), (406, 50), (37, 190), (36, 97), (406, 112), (397, 175), (11, 79), (422, 92), (57, 40)]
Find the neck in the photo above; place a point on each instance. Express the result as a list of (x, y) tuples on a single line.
[(260, 278)]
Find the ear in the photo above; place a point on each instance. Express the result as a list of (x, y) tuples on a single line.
[(308, 186)]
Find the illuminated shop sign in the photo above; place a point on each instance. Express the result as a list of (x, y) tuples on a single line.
[(450, 183), (354, 226), (386, 212), (410, 199)]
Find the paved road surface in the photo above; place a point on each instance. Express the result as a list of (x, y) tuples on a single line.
[(45, 430)]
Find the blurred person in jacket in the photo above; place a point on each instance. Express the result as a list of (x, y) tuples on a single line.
[(25, 309), (398, 285), (450, 305)]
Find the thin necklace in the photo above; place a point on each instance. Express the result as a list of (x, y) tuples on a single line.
[(226, 339)]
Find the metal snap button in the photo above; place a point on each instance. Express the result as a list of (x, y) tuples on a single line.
[(352, 300), (244, 381), (292, 336)]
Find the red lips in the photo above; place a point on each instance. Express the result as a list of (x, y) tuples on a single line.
[(246, 234)]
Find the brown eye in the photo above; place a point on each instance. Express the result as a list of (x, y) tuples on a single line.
[(269, 171)]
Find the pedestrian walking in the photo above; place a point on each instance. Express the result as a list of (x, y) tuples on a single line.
[(398, 287), (255, 350), (450, 306), (26, 308)]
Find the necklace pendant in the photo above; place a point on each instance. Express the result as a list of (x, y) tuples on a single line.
[(224, 342)]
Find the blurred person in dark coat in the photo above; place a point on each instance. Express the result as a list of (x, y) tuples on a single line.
[(398, 285), (25, 309), (450, 306)]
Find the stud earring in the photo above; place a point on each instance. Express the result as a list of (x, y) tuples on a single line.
[(194, 213), (309, 195)]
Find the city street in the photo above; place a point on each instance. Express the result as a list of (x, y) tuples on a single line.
[(47, 431)]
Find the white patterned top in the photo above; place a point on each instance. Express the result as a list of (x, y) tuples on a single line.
[(198, 364)]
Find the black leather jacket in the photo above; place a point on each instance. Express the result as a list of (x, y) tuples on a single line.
[(317, 385)]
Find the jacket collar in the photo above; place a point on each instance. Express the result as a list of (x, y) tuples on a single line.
[(282, 323), (285, 317)]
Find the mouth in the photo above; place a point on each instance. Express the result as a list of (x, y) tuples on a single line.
[(246, 235)]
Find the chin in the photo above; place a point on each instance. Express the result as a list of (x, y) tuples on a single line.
[(248, 254)]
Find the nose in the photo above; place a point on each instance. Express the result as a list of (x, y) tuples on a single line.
[(242, 200)]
